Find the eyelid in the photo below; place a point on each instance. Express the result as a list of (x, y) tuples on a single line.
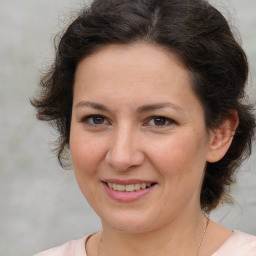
[(169, 120), (86, 118)]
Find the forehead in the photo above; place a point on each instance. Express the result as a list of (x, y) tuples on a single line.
[(147, 60), (138, 70)]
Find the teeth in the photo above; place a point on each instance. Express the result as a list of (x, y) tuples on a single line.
[(130, 187), (143, 185), (120, 187), (137, 186)]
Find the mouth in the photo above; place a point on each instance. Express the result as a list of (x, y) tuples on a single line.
[(129, 187), (128, 190)]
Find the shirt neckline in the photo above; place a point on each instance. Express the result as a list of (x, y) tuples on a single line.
[(214, 254)]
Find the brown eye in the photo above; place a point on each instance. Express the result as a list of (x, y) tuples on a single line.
[(98, 120), (95, 120), (159, 121)]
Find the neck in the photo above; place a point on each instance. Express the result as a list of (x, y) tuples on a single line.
[(185, 230)]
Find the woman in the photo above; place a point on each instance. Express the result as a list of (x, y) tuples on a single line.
[(148, 97)]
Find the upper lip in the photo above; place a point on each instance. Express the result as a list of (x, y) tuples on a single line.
[(128, 181)]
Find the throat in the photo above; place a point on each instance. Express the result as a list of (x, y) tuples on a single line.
[(153, 243)]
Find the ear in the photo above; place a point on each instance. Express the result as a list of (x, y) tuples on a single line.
[(222, 137)]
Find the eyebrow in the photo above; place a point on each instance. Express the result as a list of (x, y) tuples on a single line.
[(141, 109), (93, 105), (151, 107)]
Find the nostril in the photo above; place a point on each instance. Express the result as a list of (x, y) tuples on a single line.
[(122, 160)]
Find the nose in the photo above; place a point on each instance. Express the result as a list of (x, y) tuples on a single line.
[(124, 151)]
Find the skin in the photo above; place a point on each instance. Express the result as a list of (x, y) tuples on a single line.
[(116, 83)]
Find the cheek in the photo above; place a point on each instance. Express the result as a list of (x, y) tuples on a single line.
[(86, 157), (86, 154), (180, 161), (180, 156)]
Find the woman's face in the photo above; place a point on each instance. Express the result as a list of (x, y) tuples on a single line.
[(138, 140)]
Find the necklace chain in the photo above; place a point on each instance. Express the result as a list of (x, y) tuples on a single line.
[(199, 246), (202, 238)]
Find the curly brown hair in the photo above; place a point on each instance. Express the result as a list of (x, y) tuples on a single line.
[(192, 29)]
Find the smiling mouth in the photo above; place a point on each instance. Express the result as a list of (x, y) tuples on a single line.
[(129, 187)]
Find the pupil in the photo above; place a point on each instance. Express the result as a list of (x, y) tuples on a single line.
[(159, 121), (98, 120)]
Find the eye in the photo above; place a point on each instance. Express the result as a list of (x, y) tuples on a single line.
[(159, 121), (95, 120)]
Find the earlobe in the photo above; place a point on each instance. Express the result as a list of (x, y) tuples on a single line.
[(222, 137)]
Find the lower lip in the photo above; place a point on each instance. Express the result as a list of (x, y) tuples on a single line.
[(127, 196)]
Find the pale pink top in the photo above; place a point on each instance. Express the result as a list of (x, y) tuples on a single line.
[(239, 244)]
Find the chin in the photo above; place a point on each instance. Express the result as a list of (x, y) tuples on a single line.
[(137, 223)]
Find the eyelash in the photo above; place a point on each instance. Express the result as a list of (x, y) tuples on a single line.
[(165, 119), (87, 118), (151, 118)]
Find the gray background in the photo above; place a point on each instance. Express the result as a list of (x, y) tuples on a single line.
[(40, 204)]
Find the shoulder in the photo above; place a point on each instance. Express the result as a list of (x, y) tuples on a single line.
[(74, 248), (239, 244)]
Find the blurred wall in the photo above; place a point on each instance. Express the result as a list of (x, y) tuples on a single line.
[(40, 204)]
